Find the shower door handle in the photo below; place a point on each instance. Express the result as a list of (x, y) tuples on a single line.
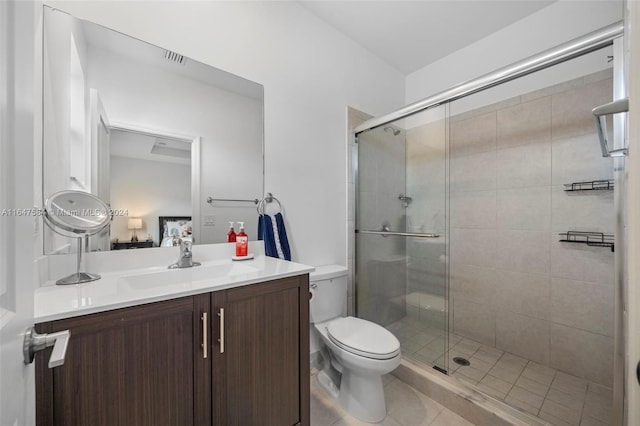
[(401, 234)]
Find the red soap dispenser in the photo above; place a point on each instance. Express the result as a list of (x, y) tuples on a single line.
[(242, 242), (231, 235)]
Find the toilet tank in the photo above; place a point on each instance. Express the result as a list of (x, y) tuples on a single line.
[(328, 286)]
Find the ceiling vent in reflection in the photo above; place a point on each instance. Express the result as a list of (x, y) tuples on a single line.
[(174, 57), (171, 148)]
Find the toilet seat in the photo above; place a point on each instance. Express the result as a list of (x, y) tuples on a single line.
[(363, 338)]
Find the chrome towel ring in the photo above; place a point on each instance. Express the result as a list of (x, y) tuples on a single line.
[(269, 198)]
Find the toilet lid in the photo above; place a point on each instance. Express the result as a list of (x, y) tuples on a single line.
[(363, 338)]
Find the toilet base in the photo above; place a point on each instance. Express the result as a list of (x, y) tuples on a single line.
[(325, 381), (363, 397), (360, 390)]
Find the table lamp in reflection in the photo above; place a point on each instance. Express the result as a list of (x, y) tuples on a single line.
[(134, 223)]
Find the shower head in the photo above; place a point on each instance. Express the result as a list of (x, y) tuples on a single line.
[(395, 132)]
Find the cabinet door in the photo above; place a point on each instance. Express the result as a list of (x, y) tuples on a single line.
[(261, 366), (129, 367)]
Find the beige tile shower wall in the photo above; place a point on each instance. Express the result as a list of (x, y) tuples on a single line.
[(513, 284)]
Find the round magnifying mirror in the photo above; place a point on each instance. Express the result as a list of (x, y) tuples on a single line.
[(77, 214)]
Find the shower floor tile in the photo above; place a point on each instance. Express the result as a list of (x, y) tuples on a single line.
[(554, 396)]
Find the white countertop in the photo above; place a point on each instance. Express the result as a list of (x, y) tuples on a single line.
[(152, 284)]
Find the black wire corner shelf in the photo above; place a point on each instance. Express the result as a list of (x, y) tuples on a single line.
[(594, 239), (594, 185)]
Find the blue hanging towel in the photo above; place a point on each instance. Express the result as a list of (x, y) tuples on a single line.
[(272, 231)]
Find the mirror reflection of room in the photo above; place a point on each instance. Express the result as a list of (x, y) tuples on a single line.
[(150, 175), (150, 132)]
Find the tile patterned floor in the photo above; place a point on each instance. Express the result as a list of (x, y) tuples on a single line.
[(554, 396), (405, 407)]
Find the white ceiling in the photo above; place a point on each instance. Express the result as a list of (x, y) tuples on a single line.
[(410, 35)]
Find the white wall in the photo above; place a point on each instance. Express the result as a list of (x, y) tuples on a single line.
[(558, 23), (310, 72)]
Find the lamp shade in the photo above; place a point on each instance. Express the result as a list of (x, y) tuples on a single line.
[(134, 223)]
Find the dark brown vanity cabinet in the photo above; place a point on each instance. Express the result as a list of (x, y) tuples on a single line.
[(261, 354), (148, 365), (131, 366)]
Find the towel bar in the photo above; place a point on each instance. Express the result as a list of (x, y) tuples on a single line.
[(210, 200)]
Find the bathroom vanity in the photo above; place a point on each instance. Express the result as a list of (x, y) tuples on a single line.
[(229, 350)]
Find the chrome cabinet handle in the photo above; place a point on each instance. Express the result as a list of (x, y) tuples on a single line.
[(221, 339), (36, 342), (205, 329)]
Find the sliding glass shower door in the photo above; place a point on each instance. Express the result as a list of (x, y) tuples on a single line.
[(402, 232)]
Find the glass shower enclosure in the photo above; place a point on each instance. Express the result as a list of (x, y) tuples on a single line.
[(485, 233), (401, 227)]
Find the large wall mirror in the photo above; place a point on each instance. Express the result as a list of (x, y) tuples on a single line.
[(152, 133)]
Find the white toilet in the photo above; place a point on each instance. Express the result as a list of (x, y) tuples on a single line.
[(360, 351)]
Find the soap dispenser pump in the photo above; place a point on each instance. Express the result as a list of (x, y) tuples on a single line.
[(231, 235), (242, 242)]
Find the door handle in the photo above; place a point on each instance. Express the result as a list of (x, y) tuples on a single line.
[(36, 342)]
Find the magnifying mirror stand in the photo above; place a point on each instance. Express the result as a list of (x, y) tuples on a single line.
[(76, 214), (78, 277)]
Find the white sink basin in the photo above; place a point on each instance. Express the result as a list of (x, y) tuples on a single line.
[(187, 276)]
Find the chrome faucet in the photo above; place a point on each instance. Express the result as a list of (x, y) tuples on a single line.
[(185, 260)]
